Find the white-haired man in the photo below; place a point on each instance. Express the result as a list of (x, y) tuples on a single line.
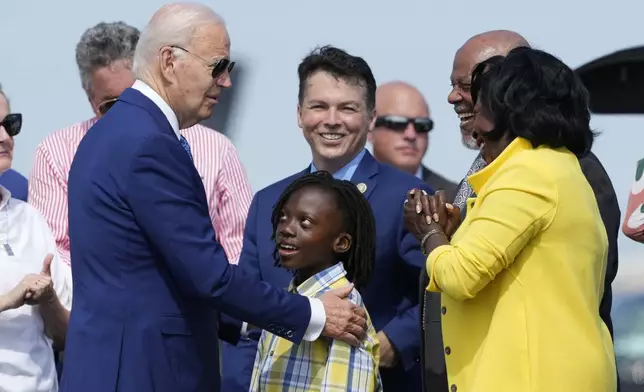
[(104, 57), (151, 277)]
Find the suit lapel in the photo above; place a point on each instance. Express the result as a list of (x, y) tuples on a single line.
[(365, 177), (302, 173)]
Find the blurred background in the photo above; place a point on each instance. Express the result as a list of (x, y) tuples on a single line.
[(410, 40)]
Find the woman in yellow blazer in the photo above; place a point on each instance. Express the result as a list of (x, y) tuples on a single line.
[(522, 277)]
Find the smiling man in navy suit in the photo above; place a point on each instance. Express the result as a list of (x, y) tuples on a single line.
[(336, 112), (150, 278)]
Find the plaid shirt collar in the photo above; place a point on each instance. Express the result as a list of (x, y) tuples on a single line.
[(319, 283)]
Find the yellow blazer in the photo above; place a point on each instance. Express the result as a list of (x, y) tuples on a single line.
[(523, 278)]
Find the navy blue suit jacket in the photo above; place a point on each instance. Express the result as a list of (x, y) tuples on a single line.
[(16, 183), (391, 296), (149, 275)]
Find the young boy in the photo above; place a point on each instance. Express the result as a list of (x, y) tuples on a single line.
[(325, 232)]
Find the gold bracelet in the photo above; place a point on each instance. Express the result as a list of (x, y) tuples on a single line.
[(426, 237)]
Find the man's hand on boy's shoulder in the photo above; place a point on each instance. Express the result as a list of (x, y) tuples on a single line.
[(344, 321)]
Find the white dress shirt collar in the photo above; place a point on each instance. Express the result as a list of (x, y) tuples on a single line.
[(5, 195), (146, 90), (419, 172)]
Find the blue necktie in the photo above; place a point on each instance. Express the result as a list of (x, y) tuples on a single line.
[(186, 146)]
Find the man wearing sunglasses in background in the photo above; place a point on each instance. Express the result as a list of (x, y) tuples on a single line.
[(401, 133), (15, 182), (104, 57)]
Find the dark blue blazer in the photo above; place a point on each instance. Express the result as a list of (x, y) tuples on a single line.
[(391, 296), (149, 275), (16, 183)]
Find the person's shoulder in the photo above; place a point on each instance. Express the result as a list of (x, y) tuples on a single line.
[(275, 189), (201, 133), (356, 298), (543, 170), (395, 183), (592, 166), (390, 173), (17, 184), (14, 176), (540, 159), (600, 182), (67, 136), (27, 212)]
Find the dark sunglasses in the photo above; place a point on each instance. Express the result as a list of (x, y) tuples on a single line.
[(218, 67), (106, 105), (221, 66), (399, 123), (12, 123)]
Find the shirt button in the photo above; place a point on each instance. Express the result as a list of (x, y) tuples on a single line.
[(453, 388), (448, 350), (443, 310)]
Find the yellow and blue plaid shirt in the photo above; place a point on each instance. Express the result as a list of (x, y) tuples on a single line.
[(325, 365)]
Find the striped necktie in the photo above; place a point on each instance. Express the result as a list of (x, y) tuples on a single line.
[(186, 146)]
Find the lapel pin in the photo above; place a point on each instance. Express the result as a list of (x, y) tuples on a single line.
[(362, 187)]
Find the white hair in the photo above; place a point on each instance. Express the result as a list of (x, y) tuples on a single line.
[(173, 24)]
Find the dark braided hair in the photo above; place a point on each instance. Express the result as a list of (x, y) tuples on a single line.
[(358, 222)]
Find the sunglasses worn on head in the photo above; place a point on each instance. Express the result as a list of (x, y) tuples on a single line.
[(218, 67), (12, 123), (399, 123), (106, 105)]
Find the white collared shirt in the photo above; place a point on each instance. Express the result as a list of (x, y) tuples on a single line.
[(149, 92), (26, 357)]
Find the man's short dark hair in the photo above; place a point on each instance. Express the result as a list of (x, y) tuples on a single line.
[(341, 65), (534, 95)]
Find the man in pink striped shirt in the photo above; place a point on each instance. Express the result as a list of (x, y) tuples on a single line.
[(104, 57)]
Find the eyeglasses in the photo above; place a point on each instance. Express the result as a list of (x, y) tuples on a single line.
[(399, 123), (218, 67), (106, 105), (12, 123)]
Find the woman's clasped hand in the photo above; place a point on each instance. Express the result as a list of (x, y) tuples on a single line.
[(425, 213)]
